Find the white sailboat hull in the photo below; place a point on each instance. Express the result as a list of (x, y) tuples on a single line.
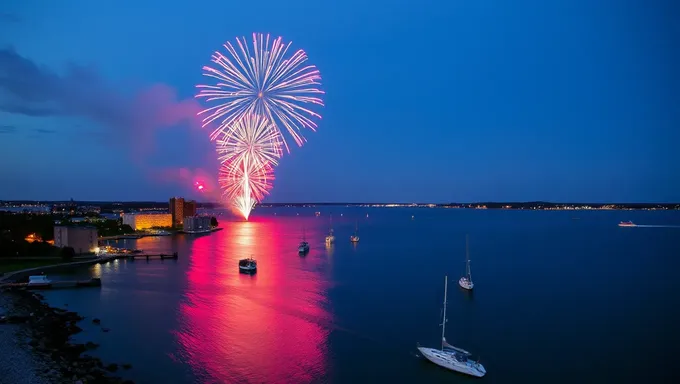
[(465, 283), (450, 361)]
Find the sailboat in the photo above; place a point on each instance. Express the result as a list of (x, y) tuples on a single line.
[(330, 239), (303, 247), (355, 237), (451, 357), (466, 281)]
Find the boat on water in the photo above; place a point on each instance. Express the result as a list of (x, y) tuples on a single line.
[(330, 238), (303, 247), (627, 224), (450, 357), (355, 237), (248, 265), (39, 281), (466, 281)]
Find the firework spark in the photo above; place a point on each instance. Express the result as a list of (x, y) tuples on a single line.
[(265, 81), (253, 138), (248, 154), (245, 183)]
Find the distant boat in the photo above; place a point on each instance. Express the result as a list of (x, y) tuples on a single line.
[(355, 237), (451, 357), (39, 281), (248, 265), (303, 247), (330, 239), (627, 224), (466, 281)]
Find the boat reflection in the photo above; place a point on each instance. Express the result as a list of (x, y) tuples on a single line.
[(269, 327)]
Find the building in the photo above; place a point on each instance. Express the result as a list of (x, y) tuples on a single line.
[(189, 208), (197, 223), (139, 221), (81, 239), (179, 209)]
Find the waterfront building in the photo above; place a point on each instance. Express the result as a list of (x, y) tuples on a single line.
[(140, 221), (179, 209), (197, 223), (81, 239)]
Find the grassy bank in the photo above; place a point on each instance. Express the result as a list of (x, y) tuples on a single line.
[(17, 264)]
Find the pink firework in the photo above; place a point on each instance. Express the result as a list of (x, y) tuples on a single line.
[(248, 153), (245, 183), (264, 80)]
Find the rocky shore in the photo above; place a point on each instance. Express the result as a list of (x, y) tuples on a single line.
[(46, 334)]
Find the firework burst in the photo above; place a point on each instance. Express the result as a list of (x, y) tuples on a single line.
[(257, 94), (262, 80), (253, 138), (245, 183), (248, 154)]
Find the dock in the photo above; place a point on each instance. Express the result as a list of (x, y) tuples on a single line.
[(147, 256)]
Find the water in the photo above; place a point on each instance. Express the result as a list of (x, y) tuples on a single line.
[(556, 299)]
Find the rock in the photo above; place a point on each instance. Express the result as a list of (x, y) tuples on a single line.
[(78, 382), (126, 366), (112, 367), (12, 319), (90, 345), (96, 321), (105, 329)]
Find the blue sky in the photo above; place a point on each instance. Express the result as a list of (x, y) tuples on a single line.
[(431, 101)]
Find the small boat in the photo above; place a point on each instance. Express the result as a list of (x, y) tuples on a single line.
[(39, 281), (317, 213), (330, 238), (627, 224), (355, 237), (248, 265), (450, 357), (303, 247), (466, 281)]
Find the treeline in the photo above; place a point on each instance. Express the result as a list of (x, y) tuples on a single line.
[(15, 228)]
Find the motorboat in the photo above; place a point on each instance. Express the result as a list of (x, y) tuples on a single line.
[(627, 224), (466, 281), (450, 357), (248, 265), (39, 281), (303, 247)]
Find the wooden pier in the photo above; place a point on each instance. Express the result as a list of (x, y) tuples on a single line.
[(147, 256)]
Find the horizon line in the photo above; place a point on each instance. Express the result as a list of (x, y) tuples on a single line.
[(350, 203)]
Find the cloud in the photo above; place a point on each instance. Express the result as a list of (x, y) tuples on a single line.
[(9, 18), (29, 89), (129, 123), (6, 129)]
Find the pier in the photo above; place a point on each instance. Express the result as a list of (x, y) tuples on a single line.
[(147, 256)]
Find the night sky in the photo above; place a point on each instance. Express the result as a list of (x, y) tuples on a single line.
[(428, 101)]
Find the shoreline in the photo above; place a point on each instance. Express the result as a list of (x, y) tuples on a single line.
[(24, 273), (42, 334)]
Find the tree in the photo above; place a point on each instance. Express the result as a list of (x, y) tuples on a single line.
[(213, 221), (67, 253)]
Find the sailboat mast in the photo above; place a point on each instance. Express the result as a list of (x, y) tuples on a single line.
[(467, 257), (446, 287)]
